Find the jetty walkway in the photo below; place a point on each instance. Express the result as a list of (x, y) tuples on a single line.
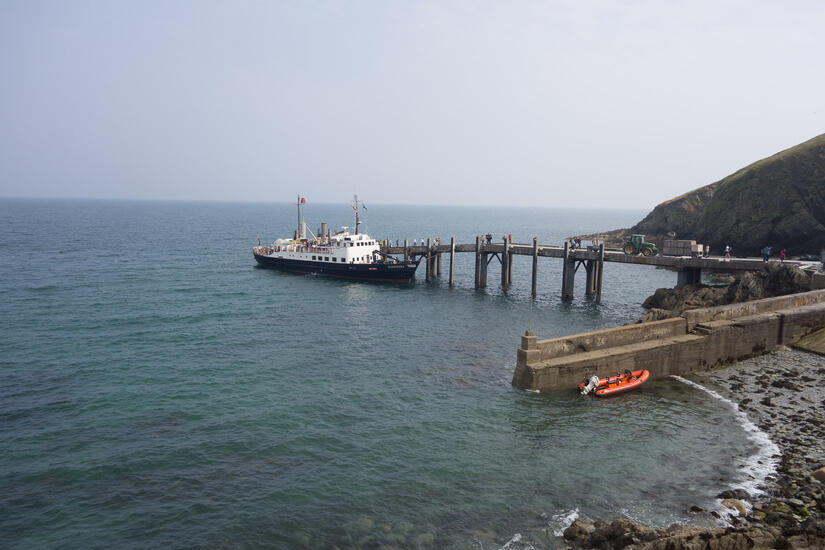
[(689, 270)]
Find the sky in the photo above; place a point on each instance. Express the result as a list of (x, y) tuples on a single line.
[(550, 103)]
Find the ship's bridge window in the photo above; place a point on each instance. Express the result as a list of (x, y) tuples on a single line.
[(313, 257), (326, 258)]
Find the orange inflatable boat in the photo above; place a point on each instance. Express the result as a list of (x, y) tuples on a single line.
[(622, 382)]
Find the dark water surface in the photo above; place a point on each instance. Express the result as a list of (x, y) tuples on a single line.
[(157, 389)]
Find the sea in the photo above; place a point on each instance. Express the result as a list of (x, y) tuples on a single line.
[(160, 390)]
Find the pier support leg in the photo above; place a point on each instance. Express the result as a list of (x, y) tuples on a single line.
[(406, 250), (568, 275), (509, 268), (452, 261), (599, 272), (590, 286), (429, 261), (689, 276), (478, 258), (505, 254), (535, 264), (482, 283), (438, 265)]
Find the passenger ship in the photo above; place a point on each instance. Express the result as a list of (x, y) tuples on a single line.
[(343, 255)]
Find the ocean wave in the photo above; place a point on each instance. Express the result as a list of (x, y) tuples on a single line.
[(759, 466), (561, 521), (516, 543)]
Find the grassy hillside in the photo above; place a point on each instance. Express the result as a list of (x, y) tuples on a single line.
[(778, 201)]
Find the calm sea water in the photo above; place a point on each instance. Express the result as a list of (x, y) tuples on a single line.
[(157, 389)]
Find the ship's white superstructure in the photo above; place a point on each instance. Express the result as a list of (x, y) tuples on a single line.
[(342, 248)]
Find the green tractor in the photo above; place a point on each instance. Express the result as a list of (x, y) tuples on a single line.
[(637, 244)]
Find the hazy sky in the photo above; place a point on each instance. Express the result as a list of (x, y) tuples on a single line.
[(604, 104)]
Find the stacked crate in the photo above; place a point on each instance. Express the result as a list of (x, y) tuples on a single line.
[(682, 248)]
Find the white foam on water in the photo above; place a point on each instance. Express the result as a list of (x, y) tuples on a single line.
[(533, 391), (758, 466), (560, 522), (515, 543)]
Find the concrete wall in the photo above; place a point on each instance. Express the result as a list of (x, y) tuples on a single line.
[(661, 357), (798, 322), (720, 335), (611, 337), (737, 339), (733, 311)]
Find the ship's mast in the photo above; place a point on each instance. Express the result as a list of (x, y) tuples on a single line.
[(301, 233), (355, 207)]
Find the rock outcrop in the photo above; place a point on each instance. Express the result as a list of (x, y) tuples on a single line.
[(774, 280), (778, 201)]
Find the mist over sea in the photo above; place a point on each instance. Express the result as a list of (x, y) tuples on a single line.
[(158, 389)]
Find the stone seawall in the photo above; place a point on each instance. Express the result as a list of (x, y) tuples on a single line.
[(701, 339)]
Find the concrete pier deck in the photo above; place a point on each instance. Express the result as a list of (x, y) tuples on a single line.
[(689, 269)]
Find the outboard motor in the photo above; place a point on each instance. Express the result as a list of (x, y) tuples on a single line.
[(591, 385)]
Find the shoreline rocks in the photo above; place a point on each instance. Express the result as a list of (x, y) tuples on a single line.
[(775, 279), (792, 512)]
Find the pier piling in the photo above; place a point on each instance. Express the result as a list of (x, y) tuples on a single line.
[(590, 284), (452, 261), (568, 274), (599, 271), (429, 269), (478, 259), (509, 263), (505, 254), (535, 264)]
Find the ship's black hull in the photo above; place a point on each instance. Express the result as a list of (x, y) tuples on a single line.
[(380, 273)]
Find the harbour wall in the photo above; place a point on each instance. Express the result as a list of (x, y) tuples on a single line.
[(700, 339)]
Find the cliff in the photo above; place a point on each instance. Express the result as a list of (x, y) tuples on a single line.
[(778, 201)]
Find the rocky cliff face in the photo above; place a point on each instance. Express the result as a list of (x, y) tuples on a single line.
[(778, 201)]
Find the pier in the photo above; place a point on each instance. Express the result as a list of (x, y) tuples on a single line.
[(592, 258), (699, 339)]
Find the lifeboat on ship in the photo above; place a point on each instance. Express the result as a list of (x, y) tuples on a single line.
[(622, 382)]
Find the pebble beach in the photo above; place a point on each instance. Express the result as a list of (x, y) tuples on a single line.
[(782, 394)]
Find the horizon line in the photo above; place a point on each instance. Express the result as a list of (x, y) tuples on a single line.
[(236, 201)]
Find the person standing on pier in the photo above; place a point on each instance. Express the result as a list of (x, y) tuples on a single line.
[(782, 256)]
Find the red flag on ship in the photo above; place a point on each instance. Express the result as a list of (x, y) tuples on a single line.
[(303, 200)]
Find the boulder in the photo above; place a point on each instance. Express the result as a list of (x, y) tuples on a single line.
[(735, 504), (579, 530), (819, 474), (741, 494), (772, 280)]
